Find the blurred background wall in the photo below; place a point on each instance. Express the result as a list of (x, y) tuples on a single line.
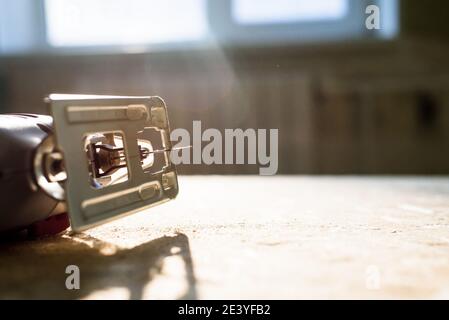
[(343, 105)]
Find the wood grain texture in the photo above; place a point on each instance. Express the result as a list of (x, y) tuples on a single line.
[(254, 237)]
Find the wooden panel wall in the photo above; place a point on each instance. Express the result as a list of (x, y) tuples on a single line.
[(347, 108)]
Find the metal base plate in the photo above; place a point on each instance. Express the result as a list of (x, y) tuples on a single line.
[(76, 116)]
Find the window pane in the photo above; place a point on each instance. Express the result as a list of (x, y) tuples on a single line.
[(122, 22), (285, 11)]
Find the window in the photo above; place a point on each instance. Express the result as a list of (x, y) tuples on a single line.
[(124, 22), (287, 11), (293, 21), (129, 25)]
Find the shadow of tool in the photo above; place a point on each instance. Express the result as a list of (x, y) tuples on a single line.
[(36, 269)]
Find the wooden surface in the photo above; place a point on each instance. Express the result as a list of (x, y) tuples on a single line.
[(254, 237)]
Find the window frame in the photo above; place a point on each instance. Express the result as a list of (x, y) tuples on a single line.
[(28, 39)]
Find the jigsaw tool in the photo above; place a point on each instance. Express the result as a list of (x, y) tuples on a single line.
[(94, 159)]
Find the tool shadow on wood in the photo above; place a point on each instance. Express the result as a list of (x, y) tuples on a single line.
[(36, 269)]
